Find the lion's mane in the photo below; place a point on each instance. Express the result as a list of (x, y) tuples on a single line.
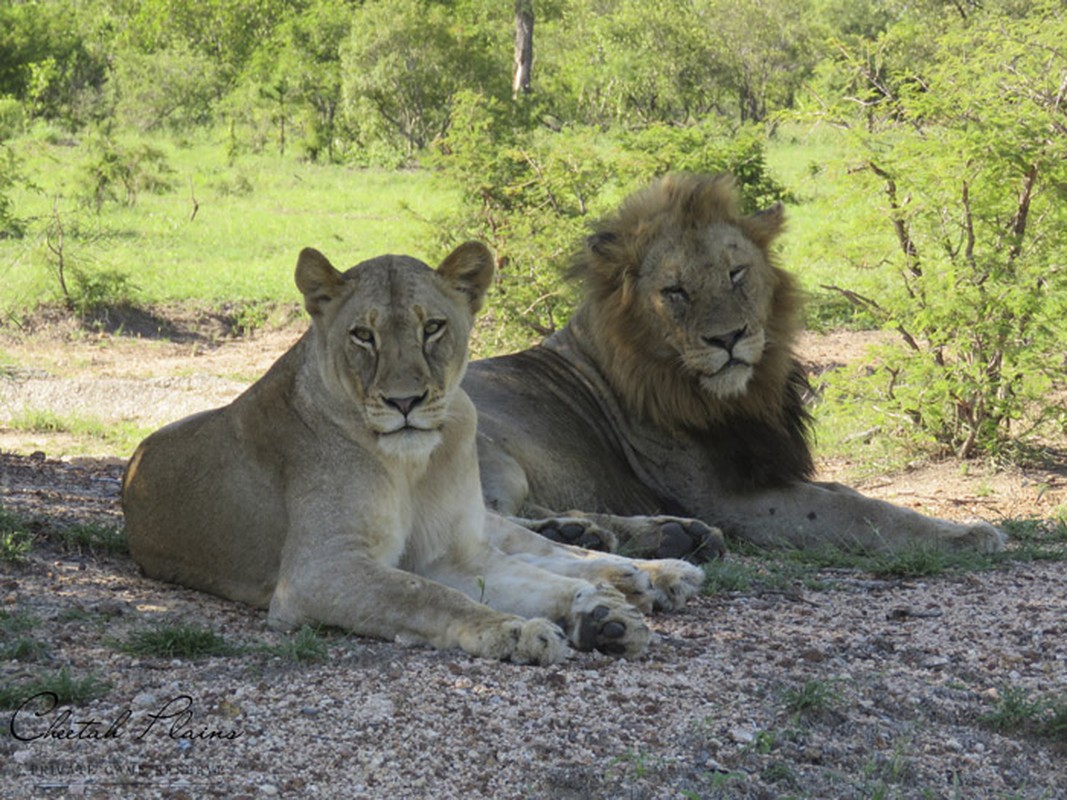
[(756, 439)]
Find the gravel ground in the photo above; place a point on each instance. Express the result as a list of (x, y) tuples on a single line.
[(835, 685)]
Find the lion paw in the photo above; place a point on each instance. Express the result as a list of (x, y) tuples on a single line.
[(524, 641), (979, 536), (629, 578), (673, 537), (540, 642), (601, 619), (673, 582), (575, 531)]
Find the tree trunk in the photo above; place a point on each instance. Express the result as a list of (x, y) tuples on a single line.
[(524, 29)]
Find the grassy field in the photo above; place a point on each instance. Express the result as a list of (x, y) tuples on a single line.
[(253, 215)]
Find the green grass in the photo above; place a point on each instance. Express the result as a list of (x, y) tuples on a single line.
[(1017, 712), (812, 698), (14, 644), (93, 538), (254, 216), (304, 646), (750, 570), (67, 689), (116, 436), (177, 641), (16, 540)]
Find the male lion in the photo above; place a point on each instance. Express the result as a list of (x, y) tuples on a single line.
[(675, 390), (342, 487)]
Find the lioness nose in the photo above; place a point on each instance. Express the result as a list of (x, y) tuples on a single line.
[(405, 404), (727, 340)]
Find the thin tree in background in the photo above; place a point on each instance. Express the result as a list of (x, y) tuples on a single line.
[(524, 29)]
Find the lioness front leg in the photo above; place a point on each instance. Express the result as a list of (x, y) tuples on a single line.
[(594, 616), (660, 584), (392, 604)]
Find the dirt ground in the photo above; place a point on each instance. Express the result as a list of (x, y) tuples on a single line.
[(911, 668)]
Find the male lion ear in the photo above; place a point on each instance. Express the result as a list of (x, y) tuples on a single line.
[(763, 226), (469, 268), (317, 280)]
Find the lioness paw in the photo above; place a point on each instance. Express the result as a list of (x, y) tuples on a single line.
[(601, 619), (524, 641), (979, 536), (540, 642), (626, 576), (673, 582)]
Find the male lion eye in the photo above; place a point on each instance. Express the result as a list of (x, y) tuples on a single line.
[(737, 275), (433, 327), (362, 335), (676, 293)]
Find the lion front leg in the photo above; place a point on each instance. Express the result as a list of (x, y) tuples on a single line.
[(805, 515), (370, 599), (594, 616)]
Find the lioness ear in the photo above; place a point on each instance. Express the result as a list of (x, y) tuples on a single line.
[(763, 226), (469, 268), (317, 280)]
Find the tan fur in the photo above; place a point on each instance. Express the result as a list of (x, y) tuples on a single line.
[(342, 487), (675, 389)]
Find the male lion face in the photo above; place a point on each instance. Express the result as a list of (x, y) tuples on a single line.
[(708, 293), (391, 341)]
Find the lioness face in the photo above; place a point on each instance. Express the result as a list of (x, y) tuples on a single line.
[(391, 341), (708, 293)]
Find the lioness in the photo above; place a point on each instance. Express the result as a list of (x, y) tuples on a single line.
[(342, 487), (675, 390)]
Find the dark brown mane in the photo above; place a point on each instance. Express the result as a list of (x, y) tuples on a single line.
[(760, 435)]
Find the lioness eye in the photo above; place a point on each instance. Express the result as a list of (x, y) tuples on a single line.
[(362, 335), (433, 327), (737, 275), (676, 293)]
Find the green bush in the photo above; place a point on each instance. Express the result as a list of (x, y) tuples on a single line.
[(119, 172), (959, 159)]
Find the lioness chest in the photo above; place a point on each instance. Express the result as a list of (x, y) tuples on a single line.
[(413, 513)]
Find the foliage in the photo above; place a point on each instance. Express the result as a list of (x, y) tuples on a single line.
[(673, 61), (10, 176), (173, 88), (966, 152), (52, 58), (404, 63), (120, 172), (525, 192), (530, 191)]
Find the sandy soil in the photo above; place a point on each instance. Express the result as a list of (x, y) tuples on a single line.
[(907, 669)]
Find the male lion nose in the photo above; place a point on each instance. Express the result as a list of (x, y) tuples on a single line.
[(727, 340), (405, 404)]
